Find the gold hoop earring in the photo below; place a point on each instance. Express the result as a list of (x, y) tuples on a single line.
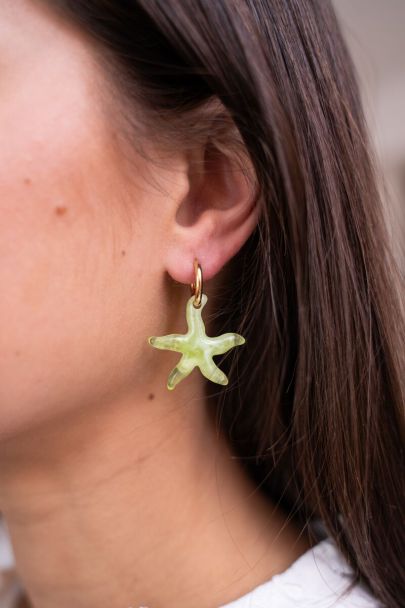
[(196, 347)]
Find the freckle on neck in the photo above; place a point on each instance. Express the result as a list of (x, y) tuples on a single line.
[(27, 181), (151, 396), (60, 210)]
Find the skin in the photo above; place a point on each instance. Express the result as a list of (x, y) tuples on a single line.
[(116, 491)]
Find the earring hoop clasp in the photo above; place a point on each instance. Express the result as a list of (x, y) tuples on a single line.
[(197, 286)]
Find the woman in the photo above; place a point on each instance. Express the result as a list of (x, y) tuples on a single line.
[(139, 136)]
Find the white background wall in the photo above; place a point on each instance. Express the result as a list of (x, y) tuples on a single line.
[(375, 33)]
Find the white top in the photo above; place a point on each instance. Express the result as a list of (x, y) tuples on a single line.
[(317, 579), (10, 586)]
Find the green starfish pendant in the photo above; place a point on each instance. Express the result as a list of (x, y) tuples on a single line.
[(197, 348)]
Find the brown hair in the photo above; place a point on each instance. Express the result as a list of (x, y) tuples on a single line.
[(316, 412)]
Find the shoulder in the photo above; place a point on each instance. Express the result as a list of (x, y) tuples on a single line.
[(320, 578)]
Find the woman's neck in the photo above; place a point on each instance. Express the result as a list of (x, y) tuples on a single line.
[(138, 503)]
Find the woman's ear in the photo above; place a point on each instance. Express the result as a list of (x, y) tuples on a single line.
[(216, 216)]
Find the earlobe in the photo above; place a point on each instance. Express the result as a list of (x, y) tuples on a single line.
[(215, 218)]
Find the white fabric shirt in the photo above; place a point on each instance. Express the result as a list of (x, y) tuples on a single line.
[(10, 586), (317, 579)]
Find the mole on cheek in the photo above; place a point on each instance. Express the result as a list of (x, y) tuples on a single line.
[(60, 210), (151, 396), (123, 252), (27, 181)]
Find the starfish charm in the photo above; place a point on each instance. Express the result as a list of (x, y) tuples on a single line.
[(197, 348)]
